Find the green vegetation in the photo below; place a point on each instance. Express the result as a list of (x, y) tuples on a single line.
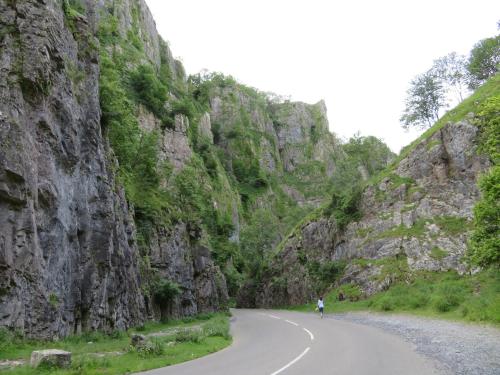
[(471, 104), (98, 353), (425, 97), (148, 90), (72, 10), (438, 253), (53, 300), (484, 60), (324, 274), (227, 195), (450, 225), (435, 294), (344, 207), (484, 244), (164, 291), (200, 195)]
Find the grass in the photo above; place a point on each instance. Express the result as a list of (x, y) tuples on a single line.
[(438, 253), (444, 295), (449, 225), (182, 345)]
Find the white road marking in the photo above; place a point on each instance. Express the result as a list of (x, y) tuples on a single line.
[(310, 333), (292, 362), (273, 316), (289, 321)]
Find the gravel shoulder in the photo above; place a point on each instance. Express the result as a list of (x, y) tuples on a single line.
[(457, 348)]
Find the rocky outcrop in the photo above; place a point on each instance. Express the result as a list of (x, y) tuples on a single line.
[(419, 214), (69, 255), (177, 254), (68, 260), (300, 126)]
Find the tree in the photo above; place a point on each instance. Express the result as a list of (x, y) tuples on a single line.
[(484, 60), (425, 97), (452, 71)]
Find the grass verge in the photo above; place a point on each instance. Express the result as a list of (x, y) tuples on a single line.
[(182, 341), (445, 295)]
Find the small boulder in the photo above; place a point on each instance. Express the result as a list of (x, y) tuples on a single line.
[(138, 340), (51, 357)]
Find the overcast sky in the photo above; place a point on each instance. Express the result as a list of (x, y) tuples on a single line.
[(358, 56)]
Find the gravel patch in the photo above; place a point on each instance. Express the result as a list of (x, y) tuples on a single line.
[(458, 348)]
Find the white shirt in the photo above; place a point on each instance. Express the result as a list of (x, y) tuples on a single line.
[(320, 303)]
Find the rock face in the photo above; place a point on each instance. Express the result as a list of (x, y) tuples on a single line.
[(74, 254), (176, 254), (419, 215), (69, 260), (67, 255)]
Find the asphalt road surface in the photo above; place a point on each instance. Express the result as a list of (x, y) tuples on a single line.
[(269, 342)]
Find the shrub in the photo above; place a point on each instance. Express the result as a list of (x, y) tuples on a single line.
[(154, 347), (484, 247), (351, 291), (386, 303), (164, 291), (185, 107), (217, 327), (418, 300), (344, 207), (325, 273), (448, 297), (148, 89), (189, 335)]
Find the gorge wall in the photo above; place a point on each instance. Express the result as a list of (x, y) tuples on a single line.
[(415, 216), (117, 171), (68, 259)]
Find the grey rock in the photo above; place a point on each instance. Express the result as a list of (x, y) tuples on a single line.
[(177, 255), (51, 358), (442, 185), (205, 128), (174, 146), (137, 340), (68, 260)]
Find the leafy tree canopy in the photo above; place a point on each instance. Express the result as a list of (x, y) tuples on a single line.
[(425, 97)]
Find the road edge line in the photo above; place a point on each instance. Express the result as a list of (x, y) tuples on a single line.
[(291, 362)]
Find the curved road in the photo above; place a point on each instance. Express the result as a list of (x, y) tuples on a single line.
[(268, 342)]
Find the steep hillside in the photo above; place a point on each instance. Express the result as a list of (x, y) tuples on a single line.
[(416, 215), (129, 191), (68, 259)]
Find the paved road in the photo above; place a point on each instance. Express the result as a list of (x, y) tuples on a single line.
[(268, 342)]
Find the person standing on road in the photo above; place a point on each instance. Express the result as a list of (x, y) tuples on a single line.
[(321, 306)]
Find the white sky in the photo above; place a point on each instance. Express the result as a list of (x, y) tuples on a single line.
[(357, 55)]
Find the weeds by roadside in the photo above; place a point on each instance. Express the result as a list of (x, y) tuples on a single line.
[(437, 294), (99, 353)]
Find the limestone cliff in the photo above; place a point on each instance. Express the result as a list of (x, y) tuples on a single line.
[(68, 260), (417, 216), (117, 170)]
